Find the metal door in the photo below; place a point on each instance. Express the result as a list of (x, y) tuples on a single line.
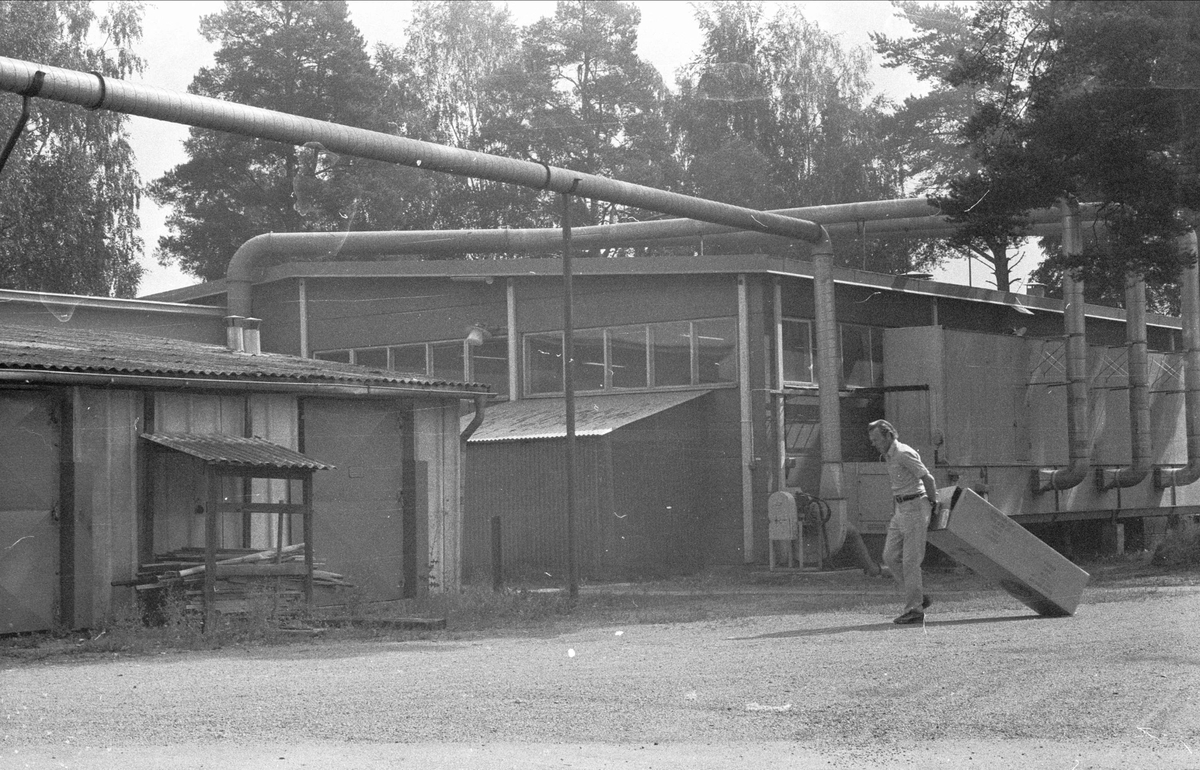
[(29, 531)]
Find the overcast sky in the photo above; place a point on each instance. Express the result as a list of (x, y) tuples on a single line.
[(668, 37)]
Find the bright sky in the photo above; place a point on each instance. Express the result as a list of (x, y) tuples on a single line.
[(174, 51)]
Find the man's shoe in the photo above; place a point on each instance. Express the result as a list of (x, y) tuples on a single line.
[(925, 602), (910, 617)]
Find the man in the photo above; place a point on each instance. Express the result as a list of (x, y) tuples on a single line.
[(914, 498)]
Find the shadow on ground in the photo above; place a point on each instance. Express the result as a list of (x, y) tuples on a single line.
[(884, 627)]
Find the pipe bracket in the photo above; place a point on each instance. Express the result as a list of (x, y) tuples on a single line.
[(103, 93)]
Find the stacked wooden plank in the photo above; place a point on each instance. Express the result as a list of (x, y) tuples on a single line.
[(243, 577)]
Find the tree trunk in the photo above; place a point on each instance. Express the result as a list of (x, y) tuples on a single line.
[(1000, 264)]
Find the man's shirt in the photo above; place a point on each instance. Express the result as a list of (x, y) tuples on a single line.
[(905, 469)]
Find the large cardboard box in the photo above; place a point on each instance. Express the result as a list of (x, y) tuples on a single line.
[(978, 535)]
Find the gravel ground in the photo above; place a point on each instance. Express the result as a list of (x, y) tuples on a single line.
[(984, 683)]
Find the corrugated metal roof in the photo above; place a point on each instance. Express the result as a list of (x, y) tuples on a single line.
[(235, 450), (110, 352), (594, 415)]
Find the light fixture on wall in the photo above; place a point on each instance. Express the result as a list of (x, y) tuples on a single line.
[(477, 334)]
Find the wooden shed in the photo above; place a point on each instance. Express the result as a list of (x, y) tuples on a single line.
[(119, 447)]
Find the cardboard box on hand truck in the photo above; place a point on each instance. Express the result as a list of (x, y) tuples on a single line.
[(979, 536)]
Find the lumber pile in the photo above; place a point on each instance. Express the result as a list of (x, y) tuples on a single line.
[(244, 578)]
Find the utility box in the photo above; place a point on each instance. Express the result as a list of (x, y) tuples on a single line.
[(783, 526), (979, 536)]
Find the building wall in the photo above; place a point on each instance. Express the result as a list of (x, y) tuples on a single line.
[(106, 500)]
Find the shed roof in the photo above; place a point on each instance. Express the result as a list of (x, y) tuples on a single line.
[(35, 349), (539, 418), (237, 451)]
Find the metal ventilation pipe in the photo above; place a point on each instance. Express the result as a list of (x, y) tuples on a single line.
[(1078, 438), (1190, 310), (887, 218), (97, 92), (832, 487), (1139, 392)]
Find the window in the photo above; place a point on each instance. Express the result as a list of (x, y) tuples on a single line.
[(410, 358), (489, 364), (446, 360), (862, 356), (589, 359), (716, 351), (374, 357), (797, 351), (672, 346), (341, 356), (543, 363), (627, 351)]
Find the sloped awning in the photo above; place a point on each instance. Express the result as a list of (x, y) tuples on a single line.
[(235, 451), (545, 418)]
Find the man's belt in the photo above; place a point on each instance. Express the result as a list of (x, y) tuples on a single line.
[(906, 498)]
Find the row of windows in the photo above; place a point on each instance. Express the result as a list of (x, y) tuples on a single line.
[(659, 355), (662, 355), (455, 361)]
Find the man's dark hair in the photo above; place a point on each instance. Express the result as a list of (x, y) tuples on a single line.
[(884, 427)]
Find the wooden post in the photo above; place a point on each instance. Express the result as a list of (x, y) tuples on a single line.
[(308, 539), (213, 484), (497, 556)]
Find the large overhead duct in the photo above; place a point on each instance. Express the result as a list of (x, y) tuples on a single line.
[(1139, 392), (892, 217), (1078, 434), (1190, 301), (97, 92)]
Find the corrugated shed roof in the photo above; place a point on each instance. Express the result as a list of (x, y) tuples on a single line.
[(235, 450), (594, 415), (109, 352)]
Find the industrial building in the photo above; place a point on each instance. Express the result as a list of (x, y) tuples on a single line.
[(697, 381)]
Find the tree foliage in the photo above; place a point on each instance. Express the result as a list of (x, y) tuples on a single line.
[(459, 81), (775, 113), (301, 57), (600, 108), (1051, 100), (69, 221)]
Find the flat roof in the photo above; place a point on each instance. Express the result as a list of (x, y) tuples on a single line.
[(549, 267)]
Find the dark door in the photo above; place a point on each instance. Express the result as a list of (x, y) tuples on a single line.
[(357, 508), (29, 531)]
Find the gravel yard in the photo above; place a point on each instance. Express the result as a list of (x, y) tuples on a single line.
[(807, 670)]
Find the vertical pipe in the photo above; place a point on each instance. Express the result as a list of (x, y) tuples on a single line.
[(1078, 433), (569, 395), (1139, 392), (832, 488), (303, 301), (747, 421), (779, 401), (1190, 307), (513, 340)]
